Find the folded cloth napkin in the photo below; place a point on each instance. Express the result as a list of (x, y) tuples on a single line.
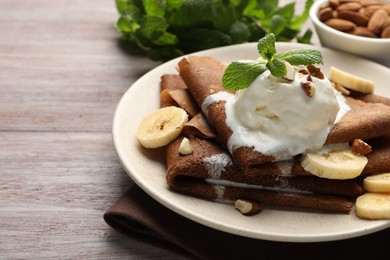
[(141, 217)]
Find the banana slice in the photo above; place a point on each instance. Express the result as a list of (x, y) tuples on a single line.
[(161, 127), (377, 183), (350, 81), (337, 164), (373, 206)]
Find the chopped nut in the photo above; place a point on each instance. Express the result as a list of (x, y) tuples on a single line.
[(315, 72), (359, 147), (290, 72), (309, 88), (341, 89), (185, 147), (303, 71), (260, 108), (247, 207), (271, 116)]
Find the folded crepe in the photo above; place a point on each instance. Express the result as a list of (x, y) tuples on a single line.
[(198, 126), (203, 78), (210, 173)]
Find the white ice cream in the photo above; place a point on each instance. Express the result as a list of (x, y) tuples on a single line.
[(276, 117)]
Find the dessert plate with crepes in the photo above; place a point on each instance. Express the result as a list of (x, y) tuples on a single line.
[(148, 168)]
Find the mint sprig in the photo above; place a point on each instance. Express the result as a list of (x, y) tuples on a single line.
[(240, 74), (165, 29)]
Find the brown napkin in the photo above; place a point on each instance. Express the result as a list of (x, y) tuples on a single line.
[(139, 216)]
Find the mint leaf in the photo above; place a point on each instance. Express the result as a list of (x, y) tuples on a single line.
[(154, 7), (298, 21), (226, 17), (277, 24), (301, 56), (239, 32), (194, 13), (240, 74), (266, 46), (305, 38), (190, 41), (287, 11), (277, 67), (172, 4), (154, 29)]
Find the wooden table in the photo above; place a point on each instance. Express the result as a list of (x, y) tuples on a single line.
[(62, 73)]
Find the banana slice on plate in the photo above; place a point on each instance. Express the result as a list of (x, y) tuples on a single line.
[(377, 183), (161, 126), (373, 206), (337, 164), (351, 81)]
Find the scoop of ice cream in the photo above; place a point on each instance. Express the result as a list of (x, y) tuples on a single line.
[(275, 113)]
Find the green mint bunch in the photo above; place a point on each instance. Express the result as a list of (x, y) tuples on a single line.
[(165, 29), (240, 74)]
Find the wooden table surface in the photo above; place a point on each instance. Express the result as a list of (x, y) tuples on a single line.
[(62, 73)]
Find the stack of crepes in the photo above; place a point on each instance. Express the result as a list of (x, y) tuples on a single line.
[(213, 172)]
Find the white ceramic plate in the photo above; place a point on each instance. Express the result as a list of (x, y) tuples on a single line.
[(147, 167)]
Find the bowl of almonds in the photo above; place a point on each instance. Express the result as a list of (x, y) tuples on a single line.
[(360, 27)]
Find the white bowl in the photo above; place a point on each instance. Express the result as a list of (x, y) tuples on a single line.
[(374, 49)]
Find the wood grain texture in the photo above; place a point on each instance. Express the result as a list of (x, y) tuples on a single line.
[(63, 70), (62, 73)]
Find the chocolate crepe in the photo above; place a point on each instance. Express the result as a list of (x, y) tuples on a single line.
[(203, 77), (209, 173)]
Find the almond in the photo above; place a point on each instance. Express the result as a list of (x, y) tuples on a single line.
[(359, 147), (363, 31), (341, 24), (370, 2), (378, 21), (315, 71), (341, 89), (309, 88), (325, 14), (334, 3), (355, 17), (290, 72), (347, 1), (370, 10), (247, 207), (386, 32), (185, 147), (386, 7), (350, 6)]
